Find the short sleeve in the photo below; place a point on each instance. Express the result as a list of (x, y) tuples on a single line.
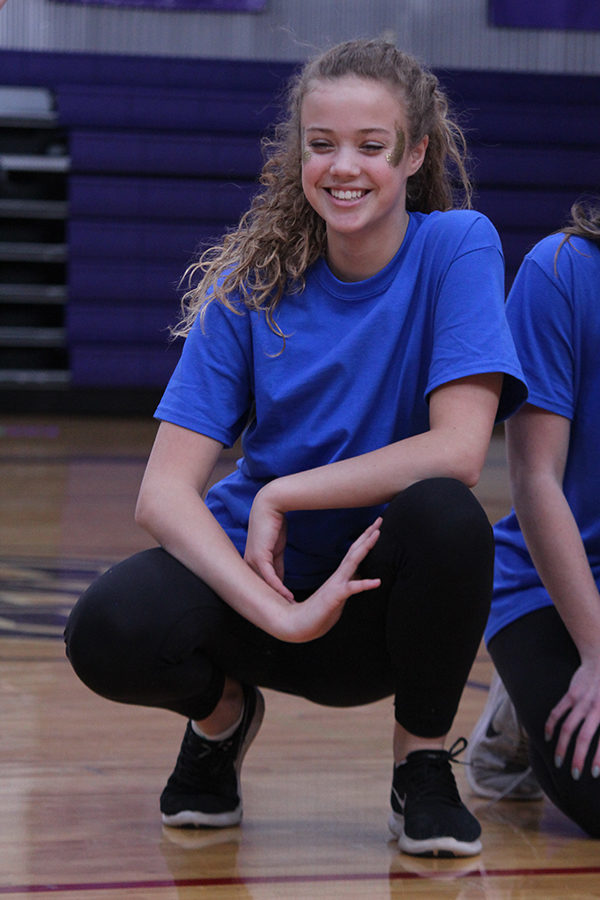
[(470, 330), (211, 389), (541, 320)]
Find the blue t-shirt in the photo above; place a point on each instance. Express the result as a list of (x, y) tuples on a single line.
[(555, 320), (359, 362)]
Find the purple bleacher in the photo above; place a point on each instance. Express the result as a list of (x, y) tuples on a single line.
[(47, 68), (155, 109), (136, 326), (484, 86), (138, 239), (131, 152), (119, 365), (136, 281), (569, 168), (158, 198), (535, 123)]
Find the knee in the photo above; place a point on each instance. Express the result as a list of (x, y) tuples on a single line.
[(111, 629), (443, 515), (589, 822), (578, 800), (92, 636)]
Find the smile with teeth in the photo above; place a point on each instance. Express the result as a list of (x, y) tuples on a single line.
[(347, 195)]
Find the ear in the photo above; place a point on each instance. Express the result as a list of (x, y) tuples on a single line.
[(416, 155)]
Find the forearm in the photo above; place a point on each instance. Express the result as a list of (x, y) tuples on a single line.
[(376, 477), (558, 552), (178, 519), (461, 420)]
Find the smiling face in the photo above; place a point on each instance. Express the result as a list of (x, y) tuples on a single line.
[(355, 131)]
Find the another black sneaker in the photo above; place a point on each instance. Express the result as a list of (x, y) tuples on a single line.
[(428, 816), (204, 787)]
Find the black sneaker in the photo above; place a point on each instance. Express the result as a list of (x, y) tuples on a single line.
[(428, 816), (204, 787)]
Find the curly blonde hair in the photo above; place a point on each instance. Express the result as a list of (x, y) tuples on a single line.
[(280, 235)]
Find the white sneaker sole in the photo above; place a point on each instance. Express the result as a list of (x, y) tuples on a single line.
[(439, 846), (189, 818)]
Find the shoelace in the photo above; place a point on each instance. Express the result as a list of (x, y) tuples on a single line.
[(214, 756), (433, 772), (459, 745)]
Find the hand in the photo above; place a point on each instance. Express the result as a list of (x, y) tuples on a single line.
[(582, 703), (319, 612), (265, 544)]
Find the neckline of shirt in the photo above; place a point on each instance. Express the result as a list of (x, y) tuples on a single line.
[(369, 287)]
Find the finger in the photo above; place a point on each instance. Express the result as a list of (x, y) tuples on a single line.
[(279, 567), (596, 763), (348, 567), (582, 745), (374, 526), (563, 706), (361, 546), (269, 576), (364, 584), (371, 530), (565, 735)]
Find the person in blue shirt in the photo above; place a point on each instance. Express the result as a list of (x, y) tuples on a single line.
[(544, 628), (351, 331)]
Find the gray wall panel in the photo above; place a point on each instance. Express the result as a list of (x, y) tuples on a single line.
[(452, 33)]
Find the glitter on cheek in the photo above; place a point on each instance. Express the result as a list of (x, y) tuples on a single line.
[(398, 152), (306, 155)]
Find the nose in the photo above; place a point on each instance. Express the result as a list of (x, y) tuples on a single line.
[(344, 163)]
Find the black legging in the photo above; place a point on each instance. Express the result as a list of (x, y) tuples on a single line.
[(150, 632), (536, 659)]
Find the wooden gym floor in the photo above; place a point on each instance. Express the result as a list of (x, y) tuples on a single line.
[(80, 777)]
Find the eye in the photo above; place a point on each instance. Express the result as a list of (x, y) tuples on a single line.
[(319, 145), (372, 147)]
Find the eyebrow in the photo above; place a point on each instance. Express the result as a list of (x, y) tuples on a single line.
[(374, 129)]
